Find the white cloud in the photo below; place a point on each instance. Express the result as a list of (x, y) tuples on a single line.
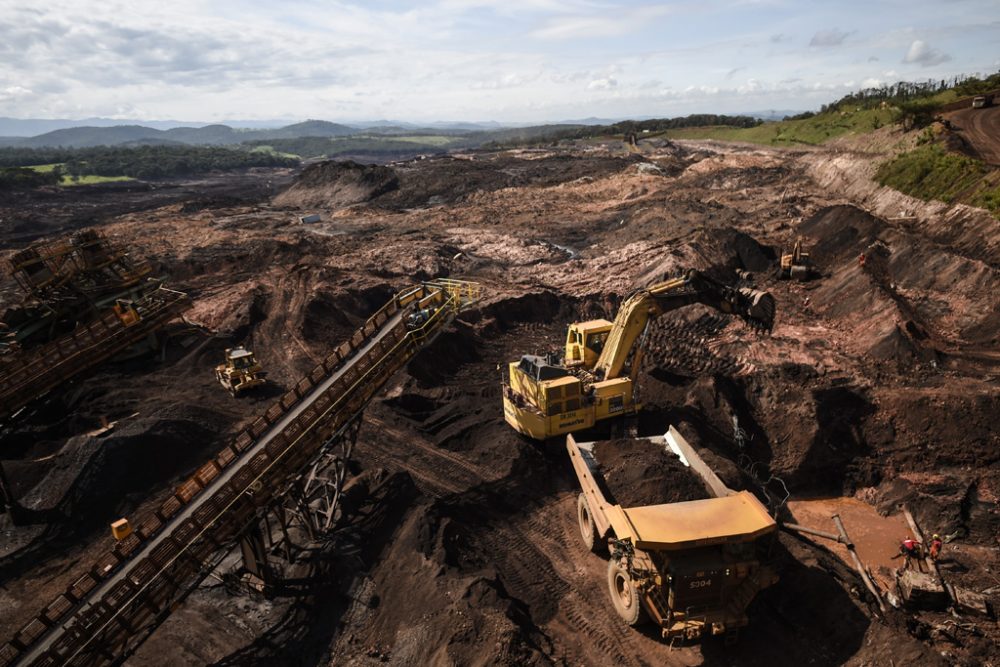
[(606, 83), (606, 24), (923, 54)]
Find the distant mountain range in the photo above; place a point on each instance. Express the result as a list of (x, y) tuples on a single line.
[(209, 135), (43, 133)]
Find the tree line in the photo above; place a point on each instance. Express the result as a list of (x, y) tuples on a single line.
[(20, 177), (143, 162), (904, 92)]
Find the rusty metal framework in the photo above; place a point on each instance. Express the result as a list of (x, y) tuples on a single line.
[(87, 264), (29, 375), (104, 615)]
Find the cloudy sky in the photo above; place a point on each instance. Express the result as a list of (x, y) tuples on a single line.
[(505, 60)]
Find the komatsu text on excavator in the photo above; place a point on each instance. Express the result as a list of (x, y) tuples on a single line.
[(596, 379)]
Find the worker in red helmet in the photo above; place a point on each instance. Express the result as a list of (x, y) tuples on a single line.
[(909, 549)]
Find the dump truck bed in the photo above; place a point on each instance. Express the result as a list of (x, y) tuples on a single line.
[(736, 518), (728, 517)]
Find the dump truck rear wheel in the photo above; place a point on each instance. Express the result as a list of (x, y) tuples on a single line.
[(588, 529), (624, 595)]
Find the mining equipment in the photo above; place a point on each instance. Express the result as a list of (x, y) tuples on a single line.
[(286, 470), (240, 371), (596, 379), (796, 265), (86, 300), (691, 568)]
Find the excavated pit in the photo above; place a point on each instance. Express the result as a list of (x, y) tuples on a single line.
[(478, 560)]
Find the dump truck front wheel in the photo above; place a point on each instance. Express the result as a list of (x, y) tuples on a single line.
[(588, 529), (624, 595)]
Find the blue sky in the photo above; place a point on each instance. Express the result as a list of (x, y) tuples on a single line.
[(475, 60)]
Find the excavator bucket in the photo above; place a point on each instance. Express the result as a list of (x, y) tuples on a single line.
[(757, 308)]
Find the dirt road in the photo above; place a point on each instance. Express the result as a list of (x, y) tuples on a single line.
[(981, 128)]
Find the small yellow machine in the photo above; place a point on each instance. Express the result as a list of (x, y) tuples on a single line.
[(796, 264), (240, 371), (543, 398), (127, 313)]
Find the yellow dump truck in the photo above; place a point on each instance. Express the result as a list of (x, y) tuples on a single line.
[(689, 567)]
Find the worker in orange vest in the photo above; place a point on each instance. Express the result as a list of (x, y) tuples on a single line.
[(935, 549)]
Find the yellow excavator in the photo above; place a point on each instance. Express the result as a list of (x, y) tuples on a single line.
[(797, 264), (543, 398)]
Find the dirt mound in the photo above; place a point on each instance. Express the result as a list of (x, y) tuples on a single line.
[(640, 472), (841, 233), (338, 184), (428, 605)]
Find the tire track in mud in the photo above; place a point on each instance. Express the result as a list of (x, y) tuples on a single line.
[(437, 470), (541, 563)]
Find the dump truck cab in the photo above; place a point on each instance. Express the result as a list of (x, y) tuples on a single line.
[(240, 371), (692, 567)]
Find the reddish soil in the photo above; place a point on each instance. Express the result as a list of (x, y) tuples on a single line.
[(878, 382), (640, 472), (980, 129)]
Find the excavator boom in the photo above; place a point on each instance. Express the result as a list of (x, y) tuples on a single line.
[(542, 399), (753, 306)]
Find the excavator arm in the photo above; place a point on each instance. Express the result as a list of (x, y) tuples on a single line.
[(753, 306)]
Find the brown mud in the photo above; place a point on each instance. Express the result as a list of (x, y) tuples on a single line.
[(878, 382), (640, 472)]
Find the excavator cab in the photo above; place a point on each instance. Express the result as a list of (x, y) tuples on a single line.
[(585, 341)]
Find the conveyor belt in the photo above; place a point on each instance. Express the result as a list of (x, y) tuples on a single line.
[(105, 614), (28, 376)]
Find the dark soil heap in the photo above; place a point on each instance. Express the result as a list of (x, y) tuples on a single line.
[(640, 472), (337, 184)]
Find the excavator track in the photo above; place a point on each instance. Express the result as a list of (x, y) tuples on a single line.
[(102, 617)]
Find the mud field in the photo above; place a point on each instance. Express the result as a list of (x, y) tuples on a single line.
[(877, 383)]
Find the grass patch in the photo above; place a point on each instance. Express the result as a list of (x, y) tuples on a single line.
[(989, 198), (93, 179), (809, 131), (86, 179), (929, 172), (427, 140), (44, 168), (271, 150)]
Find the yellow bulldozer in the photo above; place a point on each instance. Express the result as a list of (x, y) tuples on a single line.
[(241, 371), (543, 398)]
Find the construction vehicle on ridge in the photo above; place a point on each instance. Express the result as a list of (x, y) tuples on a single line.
[(692, 567), (241, 371), (596, 381), (796, 264)]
